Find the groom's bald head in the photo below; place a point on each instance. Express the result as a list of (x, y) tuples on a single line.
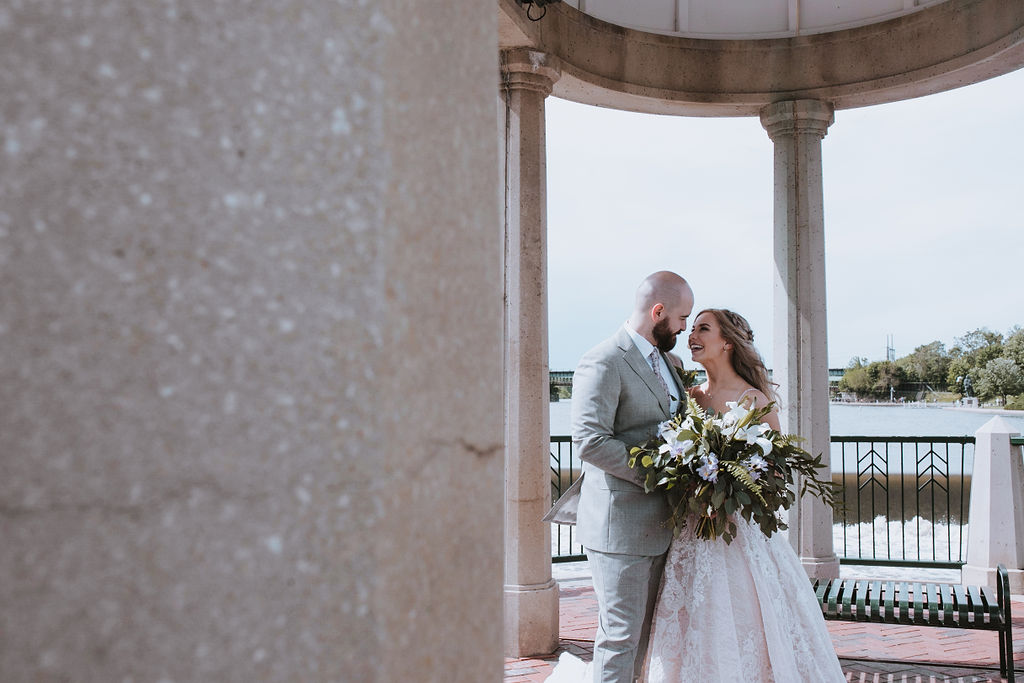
[(663, 287), (664, 301)]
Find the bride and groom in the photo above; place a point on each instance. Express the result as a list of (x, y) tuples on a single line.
[(679, 609)]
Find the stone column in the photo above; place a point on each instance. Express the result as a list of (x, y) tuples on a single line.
[(800, 363), (996, 520), (531, 595), (251, 330)]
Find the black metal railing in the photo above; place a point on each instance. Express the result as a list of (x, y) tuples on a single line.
[(564, 471), (905, 499)]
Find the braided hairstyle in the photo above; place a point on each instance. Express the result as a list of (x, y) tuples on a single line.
[(746, 361)]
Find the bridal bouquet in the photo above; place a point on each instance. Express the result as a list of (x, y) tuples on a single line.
[(713, 465)]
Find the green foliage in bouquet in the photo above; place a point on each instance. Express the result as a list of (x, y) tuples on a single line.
[(687, 378), (715, 465)]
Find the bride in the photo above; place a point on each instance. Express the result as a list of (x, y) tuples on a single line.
[(738, 611)]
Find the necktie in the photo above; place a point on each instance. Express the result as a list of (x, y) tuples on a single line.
[(656, 366)]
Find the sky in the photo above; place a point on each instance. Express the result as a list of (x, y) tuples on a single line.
[(923, 204)]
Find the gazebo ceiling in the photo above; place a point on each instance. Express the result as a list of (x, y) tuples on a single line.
[(720, 58), (742, 19)]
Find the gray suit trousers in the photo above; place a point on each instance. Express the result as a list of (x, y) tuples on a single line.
[(627, 588)]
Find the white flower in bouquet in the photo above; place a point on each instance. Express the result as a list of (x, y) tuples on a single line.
[(755, 434), (708, 469), (678, 447), (733, 416), (755, 464), (684, 451)]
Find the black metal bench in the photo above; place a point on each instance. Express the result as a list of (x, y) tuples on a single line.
[(924, 604)]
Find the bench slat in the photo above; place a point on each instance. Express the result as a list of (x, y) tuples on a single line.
[(890, 600), (862, 598), (820, 587), (947, 604), (919, 604), (976, 605), (934, 601), (991, 605), (963, 604), (846, 601), (875, 601), (902, 615), (833, 595)]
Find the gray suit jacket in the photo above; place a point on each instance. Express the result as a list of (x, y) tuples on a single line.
[(617, 403)]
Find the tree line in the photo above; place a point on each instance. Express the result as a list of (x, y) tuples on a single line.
[(983, 362)]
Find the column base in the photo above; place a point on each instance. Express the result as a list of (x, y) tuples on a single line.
[(821, 567), (971, 575), (531, 619)]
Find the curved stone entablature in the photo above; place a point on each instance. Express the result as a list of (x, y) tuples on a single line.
[(945, 46)]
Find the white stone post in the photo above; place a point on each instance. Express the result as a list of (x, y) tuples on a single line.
[(250, 342), (531, 595), (995, 532), (801, 359)]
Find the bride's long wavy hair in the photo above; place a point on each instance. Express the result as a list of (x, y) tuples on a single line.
[(745, 359)]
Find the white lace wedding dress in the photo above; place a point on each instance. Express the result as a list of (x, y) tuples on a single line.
[(743, 611)]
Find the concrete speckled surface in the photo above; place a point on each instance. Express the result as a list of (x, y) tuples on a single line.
[(250, 312)]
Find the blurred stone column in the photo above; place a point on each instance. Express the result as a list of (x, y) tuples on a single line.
[(996, 521), (800, 364), (531, 595), (251, 331)]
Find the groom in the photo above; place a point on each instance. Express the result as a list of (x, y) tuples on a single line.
[(621, 390)]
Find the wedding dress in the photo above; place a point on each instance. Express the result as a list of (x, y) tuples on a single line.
[(742, 611)]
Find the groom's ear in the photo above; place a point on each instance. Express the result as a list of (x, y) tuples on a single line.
[(656, 311)]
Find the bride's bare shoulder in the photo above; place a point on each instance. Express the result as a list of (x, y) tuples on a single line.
[(755, 398)]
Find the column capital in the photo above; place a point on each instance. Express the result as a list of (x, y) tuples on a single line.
[(797, 116), (526, 69)]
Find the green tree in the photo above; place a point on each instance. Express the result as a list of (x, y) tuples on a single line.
[(887, 374), (872, 379), (977, 340), (1000, 377), (928, 363), (970, 355), (1013, 346), (856, 378)]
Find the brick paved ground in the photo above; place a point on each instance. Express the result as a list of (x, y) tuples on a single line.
[(869, 653)]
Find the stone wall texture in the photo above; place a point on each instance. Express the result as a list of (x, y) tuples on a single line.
[(251, 328)]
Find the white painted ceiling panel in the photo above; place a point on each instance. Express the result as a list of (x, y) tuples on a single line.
[(724, 17), (823, 15), (651, 15), (739, 19)]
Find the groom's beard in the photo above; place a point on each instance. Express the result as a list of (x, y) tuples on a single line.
[(663, 339)]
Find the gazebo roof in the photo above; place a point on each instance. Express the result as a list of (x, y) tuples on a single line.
[(715, 60), (725, 19)]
